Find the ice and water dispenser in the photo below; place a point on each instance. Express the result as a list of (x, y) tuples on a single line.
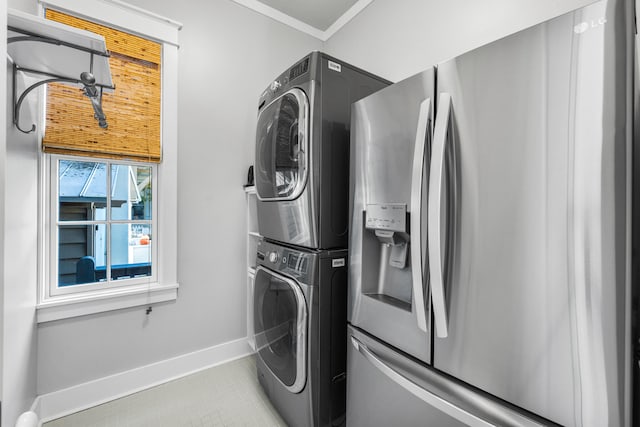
[(385, 254)]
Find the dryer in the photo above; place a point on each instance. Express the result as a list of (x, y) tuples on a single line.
[(300, 318), (302, 151)]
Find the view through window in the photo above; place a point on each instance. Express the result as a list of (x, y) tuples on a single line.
[(104, 221)]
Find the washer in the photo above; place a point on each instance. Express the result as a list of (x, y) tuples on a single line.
[(302, 151), (300, 320)]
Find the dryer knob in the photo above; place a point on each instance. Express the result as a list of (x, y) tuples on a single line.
[(273, 256), (275, 86)]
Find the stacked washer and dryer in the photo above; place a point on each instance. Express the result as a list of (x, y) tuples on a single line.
[(300, 289)]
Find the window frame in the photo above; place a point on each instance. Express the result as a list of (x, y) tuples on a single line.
[(53, 287), (165, 285)]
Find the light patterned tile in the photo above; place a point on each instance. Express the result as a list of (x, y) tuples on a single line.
[(223, 396)]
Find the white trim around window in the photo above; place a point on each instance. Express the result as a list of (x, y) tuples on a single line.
[(115, 13), (164, 286), (124, 297)]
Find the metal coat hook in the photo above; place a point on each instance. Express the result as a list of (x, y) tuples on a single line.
[(18, 102), (87, 79), (90, 90)]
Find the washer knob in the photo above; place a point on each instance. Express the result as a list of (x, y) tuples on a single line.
[(273, 256), (275, 86)]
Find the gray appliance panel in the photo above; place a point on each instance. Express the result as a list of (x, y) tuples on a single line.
[(318, 217), (539, 275), (295, 221), (382, 299), (386, 388), (322, 279)]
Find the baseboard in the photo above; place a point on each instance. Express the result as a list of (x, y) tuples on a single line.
[(64, 402)]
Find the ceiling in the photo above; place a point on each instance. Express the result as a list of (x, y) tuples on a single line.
[(319, 18), (319, 14)]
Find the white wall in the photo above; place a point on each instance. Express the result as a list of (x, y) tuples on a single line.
[(396, 39), (228, 55), (19, 191), (18, 260), (29, 6), (3, 155)]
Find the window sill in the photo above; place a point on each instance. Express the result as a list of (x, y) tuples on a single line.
[(68, 306)]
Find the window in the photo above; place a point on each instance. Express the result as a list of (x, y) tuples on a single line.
[(132, 110), (109, 241), (104, 224)]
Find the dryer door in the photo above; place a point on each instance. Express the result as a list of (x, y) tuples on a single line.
[(281, 147), (280, 322)]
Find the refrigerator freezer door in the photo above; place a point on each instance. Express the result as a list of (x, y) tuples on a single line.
[(386, 388), (536, 297), (390, 144)]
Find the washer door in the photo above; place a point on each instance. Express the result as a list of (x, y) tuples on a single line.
[(280, 322), (281, 147)]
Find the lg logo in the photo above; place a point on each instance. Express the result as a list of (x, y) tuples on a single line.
[(586, 25)]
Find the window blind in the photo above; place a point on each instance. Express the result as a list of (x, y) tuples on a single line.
[(132, 110)]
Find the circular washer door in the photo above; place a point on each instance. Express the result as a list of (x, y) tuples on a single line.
[(280, 322)]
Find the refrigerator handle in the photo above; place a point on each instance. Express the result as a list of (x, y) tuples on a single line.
[(434, 215), (421, 393), (417, 266)]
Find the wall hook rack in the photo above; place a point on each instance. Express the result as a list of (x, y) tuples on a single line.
[(56, 52)]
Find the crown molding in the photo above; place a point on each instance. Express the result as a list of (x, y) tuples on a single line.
[(354, 10), (283, 18)]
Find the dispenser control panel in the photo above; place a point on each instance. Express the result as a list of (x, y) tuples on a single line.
[(387, 216)]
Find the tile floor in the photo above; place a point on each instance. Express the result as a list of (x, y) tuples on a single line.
[(225, 395)]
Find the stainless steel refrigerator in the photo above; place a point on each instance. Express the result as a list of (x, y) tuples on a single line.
[(490, 242)]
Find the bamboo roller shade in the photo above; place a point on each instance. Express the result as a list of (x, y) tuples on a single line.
[(132, 110)]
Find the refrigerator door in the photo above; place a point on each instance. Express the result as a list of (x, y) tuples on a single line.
[(386, 388), (535, 292), (390, 145)]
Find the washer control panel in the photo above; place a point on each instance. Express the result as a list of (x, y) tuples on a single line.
[(283, 259)]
